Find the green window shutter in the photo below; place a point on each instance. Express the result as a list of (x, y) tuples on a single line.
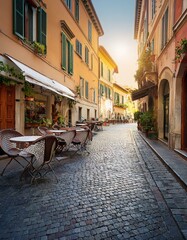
[(42, 26), (70, 58), (63, 51), (77, 10), (18, 16), (86, 89)]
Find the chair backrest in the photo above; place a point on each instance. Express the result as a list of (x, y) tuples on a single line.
[(5, 136), (68, 137), (82, 136), (42, 130), (43, 149)]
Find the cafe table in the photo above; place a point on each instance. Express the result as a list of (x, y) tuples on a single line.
[(56, 131), (24, 139)]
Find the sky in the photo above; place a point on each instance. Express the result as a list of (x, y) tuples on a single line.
[(117, 20)]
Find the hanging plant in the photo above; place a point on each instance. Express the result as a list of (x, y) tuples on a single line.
[(7, 73), (28, 89), (181, 49), (71, 103)]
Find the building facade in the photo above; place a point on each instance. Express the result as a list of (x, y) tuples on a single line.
[(48, 50), (160, 25), (121, 100), (107, 68)]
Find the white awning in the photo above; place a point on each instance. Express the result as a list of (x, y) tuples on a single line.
[(39, 79)]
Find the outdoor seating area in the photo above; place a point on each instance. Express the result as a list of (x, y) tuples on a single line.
[(35, 153)]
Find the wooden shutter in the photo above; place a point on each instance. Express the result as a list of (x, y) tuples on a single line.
[(70, 58), (63, 51), (18, 16), (42, 26), (86, 89)]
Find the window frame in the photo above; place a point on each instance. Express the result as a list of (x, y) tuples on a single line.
[(164, 33), (67, 54), (22, 12), (77, 11)]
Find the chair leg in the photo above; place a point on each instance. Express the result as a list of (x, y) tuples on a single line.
[(6, 166)]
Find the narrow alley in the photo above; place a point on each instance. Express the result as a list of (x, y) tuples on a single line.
[(120, 191)]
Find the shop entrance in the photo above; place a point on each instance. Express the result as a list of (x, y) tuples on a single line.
[(166, 109), (7, 107), (184, 112)]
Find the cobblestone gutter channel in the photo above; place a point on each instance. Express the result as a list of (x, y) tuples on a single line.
[(120, 191)]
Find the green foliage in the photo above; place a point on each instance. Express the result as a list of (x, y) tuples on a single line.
[(144, 64), (121, 105), (39, 48), (28, 89), (147, 120), (137, 115), (10, 72), (180, 49), (61, 119), (47, 122), (71, 103)]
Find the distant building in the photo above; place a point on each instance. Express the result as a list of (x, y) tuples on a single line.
[(107, 67)]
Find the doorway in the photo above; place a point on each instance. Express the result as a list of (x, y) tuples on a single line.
[(166, 109), (7, 107), (184, 113)]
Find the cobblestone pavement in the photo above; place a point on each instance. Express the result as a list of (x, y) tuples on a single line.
[(120, 191)]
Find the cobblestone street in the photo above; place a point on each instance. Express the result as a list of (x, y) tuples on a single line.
[(120, 191)]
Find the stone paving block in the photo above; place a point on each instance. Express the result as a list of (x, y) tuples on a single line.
[(120, 191)]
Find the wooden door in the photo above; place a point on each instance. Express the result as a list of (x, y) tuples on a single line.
[(7, 107)]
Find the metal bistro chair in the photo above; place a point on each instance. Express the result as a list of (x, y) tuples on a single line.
[(11, 149), (43, 130), (80, 141), (43, 150)]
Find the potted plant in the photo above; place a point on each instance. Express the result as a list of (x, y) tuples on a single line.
[(147, 121), (137, 116), (181, 49)]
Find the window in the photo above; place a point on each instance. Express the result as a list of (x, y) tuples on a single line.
[(122, 100), (81, 87), (89, 31), (106, 91), (153, 8), (116, 98), (109, 75), (101, 69), (30, 22), (152, 46), (109, 93), (164, 29), (67, 55), (77, 10), (68, 4), (86, 55), (94, 96), (101, 90), (88, 114), (80, 114), (78, 48), (86, 89)]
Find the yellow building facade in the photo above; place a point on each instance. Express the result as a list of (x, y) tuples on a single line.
[(53, 46), (107, 69)]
